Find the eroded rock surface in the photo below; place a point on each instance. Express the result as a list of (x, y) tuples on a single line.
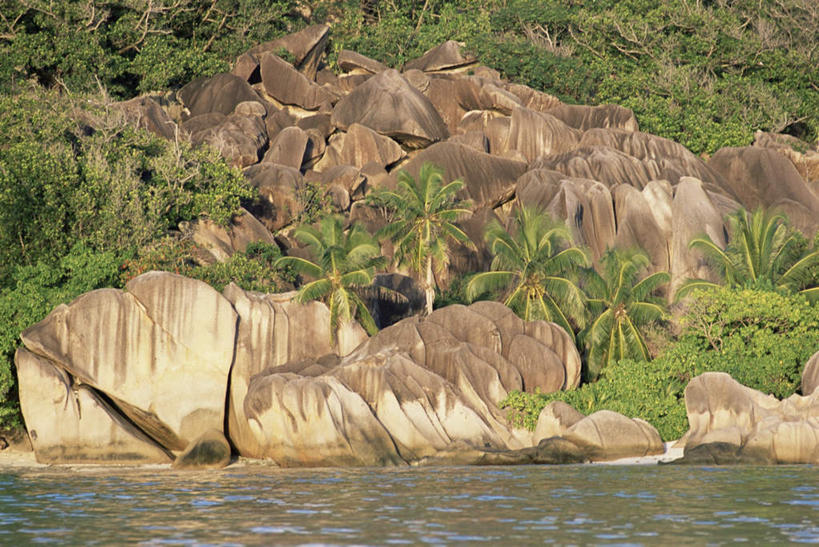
[(732, 423)]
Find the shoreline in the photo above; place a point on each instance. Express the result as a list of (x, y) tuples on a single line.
[(11, 459)]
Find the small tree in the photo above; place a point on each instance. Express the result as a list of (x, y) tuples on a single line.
[(425, 224), (531, 263), (620, 305), (763, 252), (345, 262)]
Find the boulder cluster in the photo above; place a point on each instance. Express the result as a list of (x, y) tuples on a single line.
[(169, 370), (731, 423), (169, 367), (291, 123)]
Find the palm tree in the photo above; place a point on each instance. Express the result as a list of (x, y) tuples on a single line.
[(763, 251), (530, 263), (427, 210), (620, 305), (345, 262)]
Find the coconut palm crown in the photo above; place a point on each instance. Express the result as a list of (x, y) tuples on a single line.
[(532, 264), (345, 262), (427, 209), (763, 251), (620, 305)]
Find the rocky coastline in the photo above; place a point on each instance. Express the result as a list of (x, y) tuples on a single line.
[(170, 371)]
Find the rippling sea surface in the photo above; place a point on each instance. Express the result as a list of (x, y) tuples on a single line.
[(255, 505)]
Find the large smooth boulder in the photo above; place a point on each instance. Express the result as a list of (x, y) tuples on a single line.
[(279, 187), (359, 146), (693, 214), (732, 423), (288, 86), (146, 113), (69, 422), (272, 331), (306, 46), (208, 451), (222, 242), (489, 181), (314, 422), (351, 61), (584, 205), (164, 334), (536, 134), (555, 420), (238, 138), (603, 164), (389, 105), (762, 177), (422, 411), (639, 227), (668, 159), (288, 148), (220, 93), (607, 435), (446, 56)]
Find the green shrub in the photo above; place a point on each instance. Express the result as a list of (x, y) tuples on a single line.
[(761, 338), (33, 292)]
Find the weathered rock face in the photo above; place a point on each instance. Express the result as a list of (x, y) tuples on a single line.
[(489, 180), (360, 146), (139, 347), (220, 93), (810, 376), (555, 420), (731, 423), (535, 134), (306, 46), (607, 116), (389, 105), (762, 177), (71, 423), (289, 86), (272, 331), (693, 214), (303, 421), (446, 56)]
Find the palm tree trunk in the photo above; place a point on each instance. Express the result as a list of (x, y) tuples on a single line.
[(429, 286)]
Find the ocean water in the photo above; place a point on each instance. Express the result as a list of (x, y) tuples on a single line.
[(262, 505)]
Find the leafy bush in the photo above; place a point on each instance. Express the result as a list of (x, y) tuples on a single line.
[(81, 192), (75, 171), (31, 295), (762, 339)]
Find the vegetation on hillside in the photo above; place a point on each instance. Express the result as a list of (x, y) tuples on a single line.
[(705, 74), (761, 338), (87, 201)]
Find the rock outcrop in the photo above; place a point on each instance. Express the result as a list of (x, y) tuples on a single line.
[(731, 423), (810, 376)]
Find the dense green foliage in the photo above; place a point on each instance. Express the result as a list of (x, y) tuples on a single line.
[(424, 210), (621, 305), (706, 74), (761, 338), (533, 264), (131, 46), (345, 261), (763, 251), (82, 193)]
